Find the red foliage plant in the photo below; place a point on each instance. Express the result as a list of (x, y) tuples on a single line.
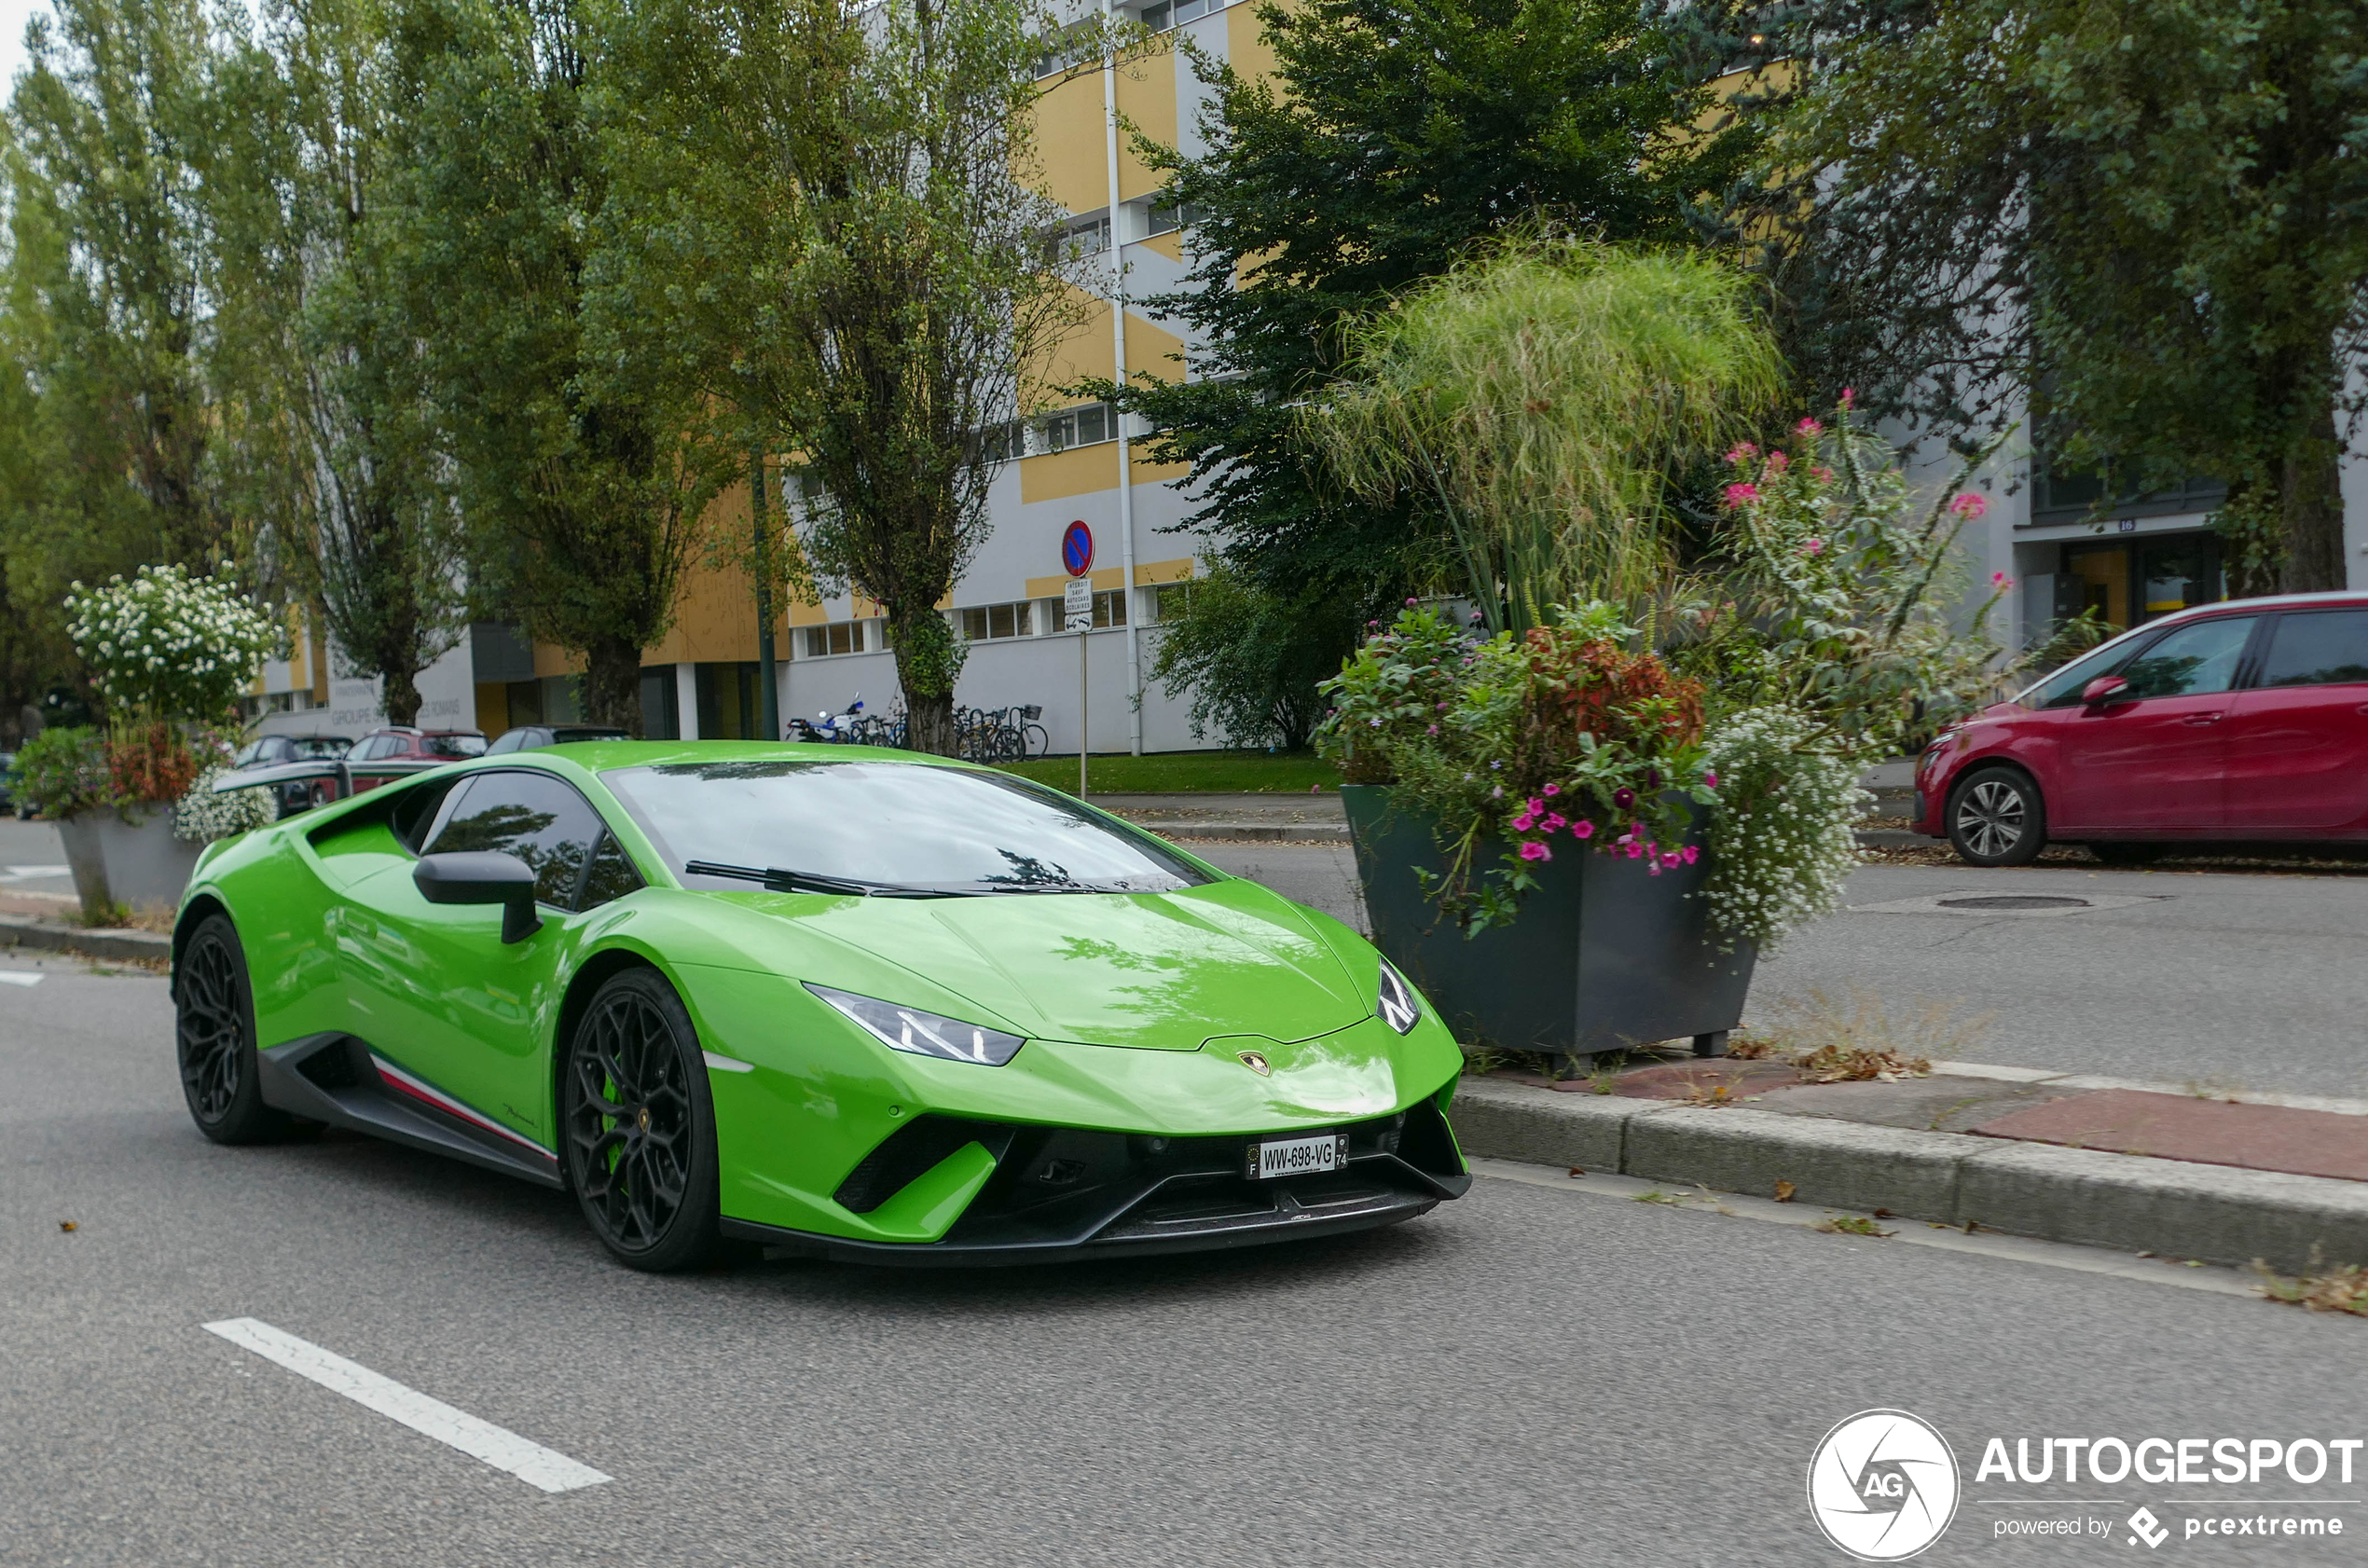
[(151, 763), (1591, 686)]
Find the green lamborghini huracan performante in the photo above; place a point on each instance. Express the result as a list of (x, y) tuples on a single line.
[(834, 1000)]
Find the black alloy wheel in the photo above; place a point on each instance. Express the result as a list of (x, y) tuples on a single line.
[(214, 1034), (640, 1125), (1997, 819)]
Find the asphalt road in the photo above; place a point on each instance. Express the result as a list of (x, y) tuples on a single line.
[(2240, 982), (1529, 1376)]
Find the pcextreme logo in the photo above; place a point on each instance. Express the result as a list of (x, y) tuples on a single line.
[(1883, 1485)]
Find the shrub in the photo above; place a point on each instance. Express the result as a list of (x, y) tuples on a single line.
[(64, 771), (202, 815)]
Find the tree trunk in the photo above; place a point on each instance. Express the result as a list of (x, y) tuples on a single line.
[(928, 724), (2311, 495), (613, 684), (928, 660), (402, 698)]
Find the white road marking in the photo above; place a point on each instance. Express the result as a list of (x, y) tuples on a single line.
[(27, 873), (532, 1463), (1915, 1232), (19, 977)]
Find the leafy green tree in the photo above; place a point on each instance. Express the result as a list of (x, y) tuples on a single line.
[(319, 377), (583, 478), (824, 212), (2145, 220), (107, 260), (1394, 137)]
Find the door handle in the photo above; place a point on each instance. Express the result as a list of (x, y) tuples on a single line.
[(2200, 719)]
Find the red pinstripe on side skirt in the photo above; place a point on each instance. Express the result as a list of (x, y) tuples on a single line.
[(428, 1095)]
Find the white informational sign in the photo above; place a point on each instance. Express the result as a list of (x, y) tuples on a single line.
[(1076, 604)]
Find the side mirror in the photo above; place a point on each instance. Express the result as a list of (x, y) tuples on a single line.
[(2104, 689), (482, 877)]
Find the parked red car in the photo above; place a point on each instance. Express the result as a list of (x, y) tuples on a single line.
[(2244, 720), (397, 750)]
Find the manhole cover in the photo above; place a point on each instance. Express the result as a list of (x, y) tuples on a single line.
[(2014, 900)]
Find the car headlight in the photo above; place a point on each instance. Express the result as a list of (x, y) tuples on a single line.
[(923, 1034), (1396, 1004)]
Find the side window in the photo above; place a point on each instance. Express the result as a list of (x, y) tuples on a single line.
[(415, 812), (533, 816), (2318, 648), (612, 876), (2194, 660)]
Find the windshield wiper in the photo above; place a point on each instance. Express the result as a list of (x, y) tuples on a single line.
[(782, 881)]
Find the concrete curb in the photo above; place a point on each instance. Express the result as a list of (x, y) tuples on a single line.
[(2217, 1213), (1251, 832), (18, 930)]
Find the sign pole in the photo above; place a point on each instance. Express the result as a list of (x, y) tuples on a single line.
[(1076, 604)]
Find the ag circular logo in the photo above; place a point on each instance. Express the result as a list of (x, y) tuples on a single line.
[(1882, 1485)]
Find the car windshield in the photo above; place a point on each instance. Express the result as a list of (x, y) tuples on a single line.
[(453, 745), (885, 826), (2064, 686), (322, 748)]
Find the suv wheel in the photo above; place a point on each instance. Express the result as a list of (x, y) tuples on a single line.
[(1997, 819)]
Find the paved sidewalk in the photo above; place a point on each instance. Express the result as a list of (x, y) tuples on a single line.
[(2101, 1161), (2305, 1136)]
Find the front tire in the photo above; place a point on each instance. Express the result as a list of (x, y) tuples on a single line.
[(1996, 818), (640, 1126), (214, 1036)]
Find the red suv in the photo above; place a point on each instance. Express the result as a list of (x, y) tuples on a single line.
[(2241, 721)]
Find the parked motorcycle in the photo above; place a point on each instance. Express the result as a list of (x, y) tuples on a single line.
[(828, 728)]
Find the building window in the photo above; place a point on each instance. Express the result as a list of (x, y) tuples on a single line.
[(1109, 609), (2064, 494), (1169, 601), (1075, 427), (661, 704), (1175, 13), (987, 622), (730, 701), (1168, 220), (839, 637), (1069, 46), (1081, 236)]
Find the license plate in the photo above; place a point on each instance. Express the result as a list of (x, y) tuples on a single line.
[(1290, 1157)]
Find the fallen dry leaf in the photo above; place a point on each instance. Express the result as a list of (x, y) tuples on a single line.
[(68, 1225), (1576, 1170), (1784, 1191)]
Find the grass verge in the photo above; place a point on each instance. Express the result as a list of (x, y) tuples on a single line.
[(1186, 773)]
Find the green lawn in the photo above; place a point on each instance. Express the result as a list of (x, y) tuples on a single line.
[(1188, 773)]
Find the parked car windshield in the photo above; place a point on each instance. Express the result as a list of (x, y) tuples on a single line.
[(322, 748), (891, 826), (2065, 685)]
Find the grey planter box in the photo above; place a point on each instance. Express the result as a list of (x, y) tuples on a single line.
[(1604, 956), (137, 865)]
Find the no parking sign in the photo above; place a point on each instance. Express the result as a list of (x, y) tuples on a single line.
[(1076, 548)]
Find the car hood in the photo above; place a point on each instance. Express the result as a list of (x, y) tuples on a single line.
[(1149, 970)]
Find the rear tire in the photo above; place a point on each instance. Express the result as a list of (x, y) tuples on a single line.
[(639, 1126), (1996, 818), (213, 1037)]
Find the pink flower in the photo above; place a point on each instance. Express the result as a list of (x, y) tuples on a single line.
[(1822, 474), (1968, 505), (1556, 821), (1582, 828), (1625, 838), (1672, 859), (1778, 462), (1997, 579), (1522, 823), (1410, 604), (1434, 729), (1812, 547), (1655, 869), (1691, 853), (1739, 494), (1742, 453), (1809, 427), (1710, 776), (1537, 852), (1552, 789), (1849, 395), (1535, 806), (1635, 851)]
